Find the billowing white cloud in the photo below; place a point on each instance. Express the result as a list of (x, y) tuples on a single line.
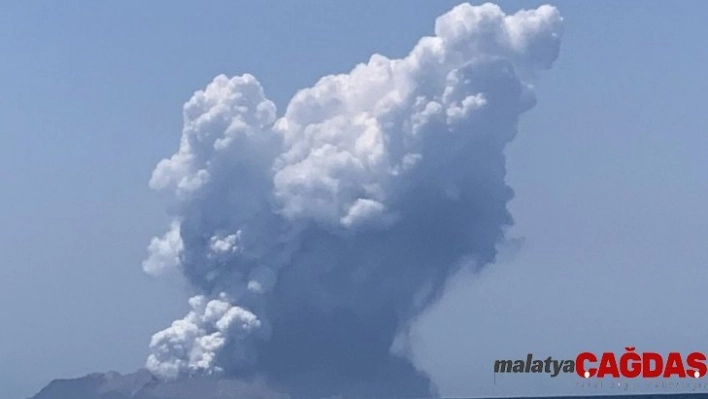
[(192, 344), (315, 237), (164, 251)]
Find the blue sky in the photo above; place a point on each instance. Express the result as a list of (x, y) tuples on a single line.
[(609, 171)]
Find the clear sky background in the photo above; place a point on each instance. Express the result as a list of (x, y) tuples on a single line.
[(609, 168)]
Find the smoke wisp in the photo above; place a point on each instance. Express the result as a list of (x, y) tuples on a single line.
[(313, 238)]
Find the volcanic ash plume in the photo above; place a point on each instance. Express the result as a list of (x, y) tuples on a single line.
[(314, 238)]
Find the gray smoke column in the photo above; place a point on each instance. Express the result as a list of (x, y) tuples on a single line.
[(314, 238)]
